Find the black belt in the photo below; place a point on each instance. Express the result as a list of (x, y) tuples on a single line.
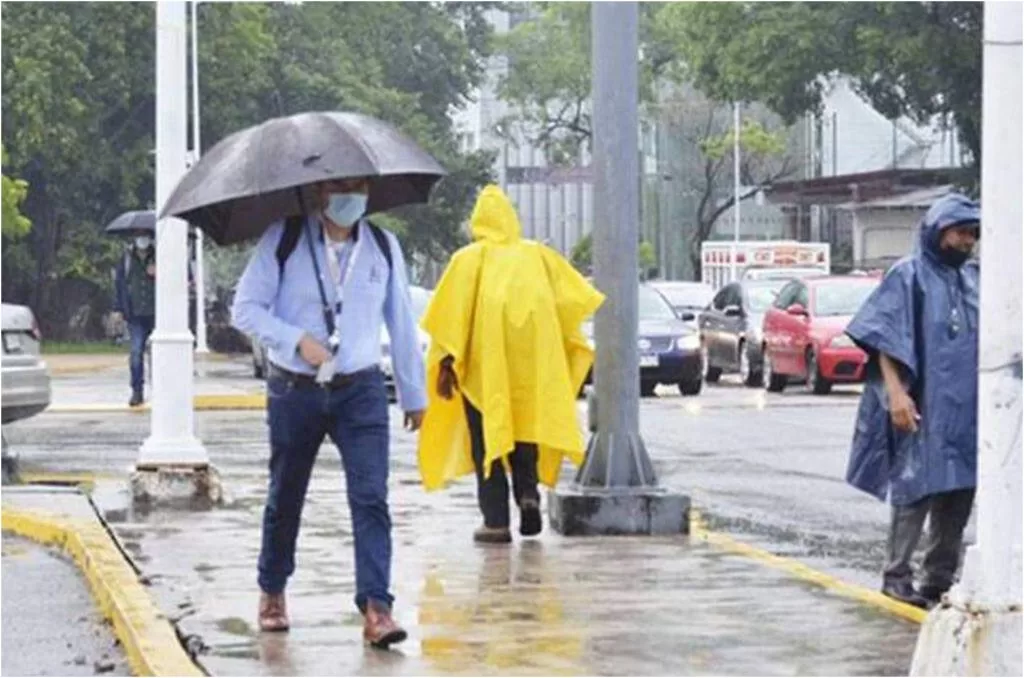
[(309, 381)]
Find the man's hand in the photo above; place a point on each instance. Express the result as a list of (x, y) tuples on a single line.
[(447, 382), (903, 412), (312, 351), (413, 420), (151, 270)]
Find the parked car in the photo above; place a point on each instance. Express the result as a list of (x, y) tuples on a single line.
[(688, 299), (420, 300), (26, 378), (783, 273), (730, 329), (804, 333), (669, 348)]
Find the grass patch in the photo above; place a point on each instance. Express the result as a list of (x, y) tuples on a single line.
[(84, 347)]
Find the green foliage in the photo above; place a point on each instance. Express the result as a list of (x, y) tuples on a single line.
[(582, 257), (907, 58), (79, 111), (15, 224)]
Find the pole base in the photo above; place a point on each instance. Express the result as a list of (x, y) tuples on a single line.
[(961, 640), (579, 511), (187, 487), (10, 470)]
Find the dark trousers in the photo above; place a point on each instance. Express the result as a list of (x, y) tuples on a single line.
[(139, 329), (492, 492), (947, 514), (355, 417)]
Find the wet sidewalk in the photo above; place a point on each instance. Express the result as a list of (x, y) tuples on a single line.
[(550, 606)]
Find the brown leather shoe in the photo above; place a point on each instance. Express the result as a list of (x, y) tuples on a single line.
[(492, 535), (273, 612), (379, 629)]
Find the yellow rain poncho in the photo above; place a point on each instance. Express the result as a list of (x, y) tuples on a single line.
[(508, 311)]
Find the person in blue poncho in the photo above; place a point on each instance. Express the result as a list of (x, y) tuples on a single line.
[(915, 441)]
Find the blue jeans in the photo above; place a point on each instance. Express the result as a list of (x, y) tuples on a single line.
[(356, 419), (139, 329)]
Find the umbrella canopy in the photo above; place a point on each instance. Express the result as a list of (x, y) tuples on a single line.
[(130, 223), (265, 173), (139, 221)]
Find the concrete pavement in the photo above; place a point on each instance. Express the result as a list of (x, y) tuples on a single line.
[(50, 625), (761, 467)]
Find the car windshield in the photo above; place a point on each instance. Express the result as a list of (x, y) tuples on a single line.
[(653, 306), (688, 296), (761, 297), (841, 298)]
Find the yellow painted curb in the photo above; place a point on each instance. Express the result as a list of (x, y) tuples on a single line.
[(227, 401), (146, 635), (808, 574), (86, 481)]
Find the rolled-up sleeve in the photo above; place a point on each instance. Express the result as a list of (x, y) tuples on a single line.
[(406, 352), (255, 296)]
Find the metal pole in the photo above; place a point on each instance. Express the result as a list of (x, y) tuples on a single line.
[(735, 188), (616, 457), (978, 632), (172, 441), (835, 143), (201, 346)]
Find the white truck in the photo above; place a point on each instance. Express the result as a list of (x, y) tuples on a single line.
[(725, 261)]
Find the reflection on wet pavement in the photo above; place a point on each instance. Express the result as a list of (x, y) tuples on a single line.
[(551, 606)]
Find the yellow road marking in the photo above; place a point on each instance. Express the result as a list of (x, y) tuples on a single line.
[(801, 571)]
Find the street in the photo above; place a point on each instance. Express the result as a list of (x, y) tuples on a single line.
[(767, 469)]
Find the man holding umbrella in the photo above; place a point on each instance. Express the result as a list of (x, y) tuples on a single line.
[(135, 301)]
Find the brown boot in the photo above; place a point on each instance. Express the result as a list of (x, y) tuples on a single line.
[(273, 612), (492, 535), (380, 630)]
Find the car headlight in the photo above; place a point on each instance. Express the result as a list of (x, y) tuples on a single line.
[(689, 342), (842, 341)]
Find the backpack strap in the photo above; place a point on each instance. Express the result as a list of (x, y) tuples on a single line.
[(289, 239), (293, 230)]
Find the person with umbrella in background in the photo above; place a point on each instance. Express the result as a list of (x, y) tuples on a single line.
[(916, 438), (320, 283), (135, 292)]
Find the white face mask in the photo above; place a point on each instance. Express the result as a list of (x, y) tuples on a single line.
[(143, 242)]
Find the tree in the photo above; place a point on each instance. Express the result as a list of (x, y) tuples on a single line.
[(548, 89), (78, 102), (15, 224), (915, 59)]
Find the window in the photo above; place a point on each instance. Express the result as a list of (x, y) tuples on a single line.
[(733, 296), (720, 298), (762, 294), (802, 297), (653, 306), (787, 296), (839, 299)]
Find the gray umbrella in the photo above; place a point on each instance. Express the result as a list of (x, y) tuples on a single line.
[(130, 223), (264, 173)]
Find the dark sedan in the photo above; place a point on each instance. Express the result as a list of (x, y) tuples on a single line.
[(669, 348), (730, 329)]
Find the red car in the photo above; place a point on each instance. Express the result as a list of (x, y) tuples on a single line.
[(804, 333)]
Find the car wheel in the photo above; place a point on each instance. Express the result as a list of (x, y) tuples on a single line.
[(750, 376), (647, 388), (773, 383), (711, 374), (691, 388), (817, 384)]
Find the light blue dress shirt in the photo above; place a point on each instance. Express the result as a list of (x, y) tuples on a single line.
[(278, 311)]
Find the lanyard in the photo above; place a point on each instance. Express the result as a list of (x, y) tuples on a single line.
[(341, 268)]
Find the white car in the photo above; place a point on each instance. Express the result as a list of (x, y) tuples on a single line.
[(26, 379)]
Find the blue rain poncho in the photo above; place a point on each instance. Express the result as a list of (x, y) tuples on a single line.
[(925, 316)]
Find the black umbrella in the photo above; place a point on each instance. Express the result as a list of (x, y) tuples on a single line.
[(132, 223), (264, 173)]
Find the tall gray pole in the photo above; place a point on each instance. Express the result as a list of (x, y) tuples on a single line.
[(616, 490), (977, 631), (200, 280)]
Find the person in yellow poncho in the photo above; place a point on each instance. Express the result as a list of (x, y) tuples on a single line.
[(507, 358)]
